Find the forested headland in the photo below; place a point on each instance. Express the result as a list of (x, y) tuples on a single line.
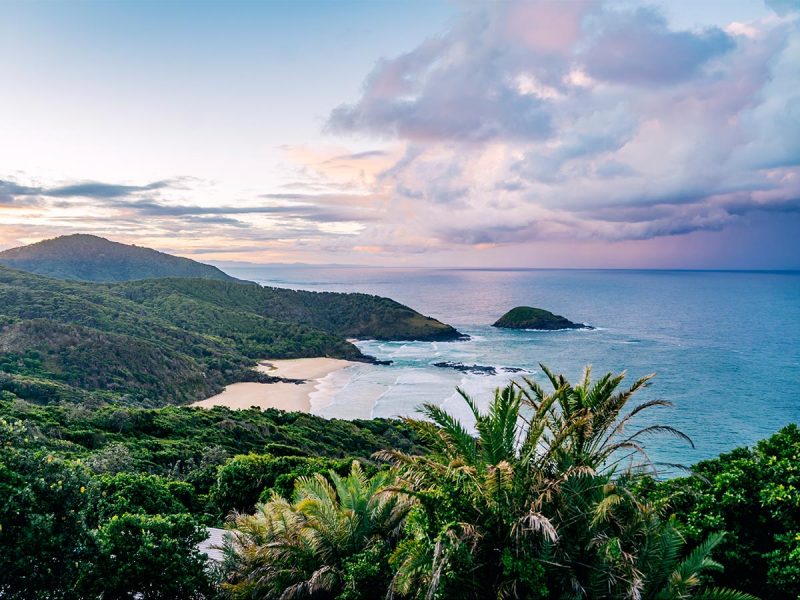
[(175, 340)]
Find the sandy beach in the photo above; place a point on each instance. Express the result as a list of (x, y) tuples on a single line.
[(284, 396)]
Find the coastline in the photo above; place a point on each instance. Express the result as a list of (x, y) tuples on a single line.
[(280, 395)]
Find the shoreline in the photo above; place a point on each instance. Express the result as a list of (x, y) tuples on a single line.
[(291, 397)]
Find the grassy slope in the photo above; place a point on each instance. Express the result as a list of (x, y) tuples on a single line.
[(349, 315), (173, 340)]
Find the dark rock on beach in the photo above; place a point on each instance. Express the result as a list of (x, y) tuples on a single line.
[(474, 369), (477, 369)]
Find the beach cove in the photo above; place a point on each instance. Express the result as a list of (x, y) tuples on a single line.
[(281, 395), (698, 331)]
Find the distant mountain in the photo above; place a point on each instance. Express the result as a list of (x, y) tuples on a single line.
[(92, 258)]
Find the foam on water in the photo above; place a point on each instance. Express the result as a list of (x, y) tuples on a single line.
[(725, 346), (328, 387), (364, 391), (349, 393)]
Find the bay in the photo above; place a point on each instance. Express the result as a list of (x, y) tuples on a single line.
[(725, 346)]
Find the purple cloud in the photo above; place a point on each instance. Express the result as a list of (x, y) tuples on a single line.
[(460, 87), (639, 49), (541, 120)]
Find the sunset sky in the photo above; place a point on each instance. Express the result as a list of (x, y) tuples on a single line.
[(517, 134)]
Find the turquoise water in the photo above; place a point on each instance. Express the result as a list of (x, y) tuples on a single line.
[(725, 346)]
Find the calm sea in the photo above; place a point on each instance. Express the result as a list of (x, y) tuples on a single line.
[(725, 346)]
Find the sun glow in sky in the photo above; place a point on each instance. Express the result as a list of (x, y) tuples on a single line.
[(566, 133)]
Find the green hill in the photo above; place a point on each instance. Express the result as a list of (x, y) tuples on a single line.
[(361, 316), (175, 340), (92, 258), (527, 317)]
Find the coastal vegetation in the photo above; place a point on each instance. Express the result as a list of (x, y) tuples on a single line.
[(530, 507), (753, 494), (550, 497), (112, 502), (108, 490), (175, 340), (527, 317)]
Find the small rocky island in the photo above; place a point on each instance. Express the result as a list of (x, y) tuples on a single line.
[(527, 317)]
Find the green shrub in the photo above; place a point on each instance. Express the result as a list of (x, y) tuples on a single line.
[(247, 479), (138, 493), (152, 557), (754, 495)]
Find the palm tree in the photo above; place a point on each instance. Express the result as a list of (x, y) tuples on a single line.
[(670, 577), (533, 497), (597, 463), (300, 549), (472, 503), (591, 413)]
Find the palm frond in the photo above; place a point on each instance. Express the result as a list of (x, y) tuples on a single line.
[(723, 594)]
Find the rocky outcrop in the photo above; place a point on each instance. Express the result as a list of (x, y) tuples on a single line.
[(527, 317)]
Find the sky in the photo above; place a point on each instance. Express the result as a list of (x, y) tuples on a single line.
[(540, 133)]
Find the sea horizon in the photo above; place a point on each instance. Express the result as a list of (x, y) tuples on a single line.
[(692, 358), (302, 265)]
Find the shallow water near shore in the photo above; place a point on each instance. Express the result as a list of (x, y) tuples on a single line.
[(725, 346)]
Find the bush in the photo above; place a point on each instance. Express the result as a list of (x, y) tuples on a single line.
[(245, 479), (43, 537), (137, 493), (152, 557), (754, 495)]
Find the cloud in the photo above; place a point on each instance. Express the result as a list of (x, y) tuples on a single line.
[(784, 7), (459, 87), (537, 120), (319, 208), (86, 189), (13, 193), (360, 155), (638, 48), (96, 189), (155, 211), (308, 212)]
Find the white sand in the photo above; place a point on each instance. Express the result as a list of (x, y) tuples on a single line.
[(285, 396)]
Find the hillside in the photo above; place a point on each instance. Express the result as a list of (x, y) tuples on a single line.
[(527, 317), (165, 341), (352, 315), (92, 258)]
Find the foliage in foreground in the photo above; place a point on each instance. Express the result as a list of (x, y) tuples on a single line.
[(312, 546), (533, 506), (111, 503), (754, 495)]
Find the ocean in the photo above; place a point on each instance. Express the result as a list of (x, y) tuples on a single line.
[(725, 346)]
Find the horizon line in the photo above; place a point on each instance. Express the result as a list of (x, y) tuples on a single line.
[(233, 264)]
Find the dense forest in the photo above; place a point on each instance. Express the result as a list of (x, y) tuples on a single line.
[(174, 340), (547, 499), (77, 482)]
